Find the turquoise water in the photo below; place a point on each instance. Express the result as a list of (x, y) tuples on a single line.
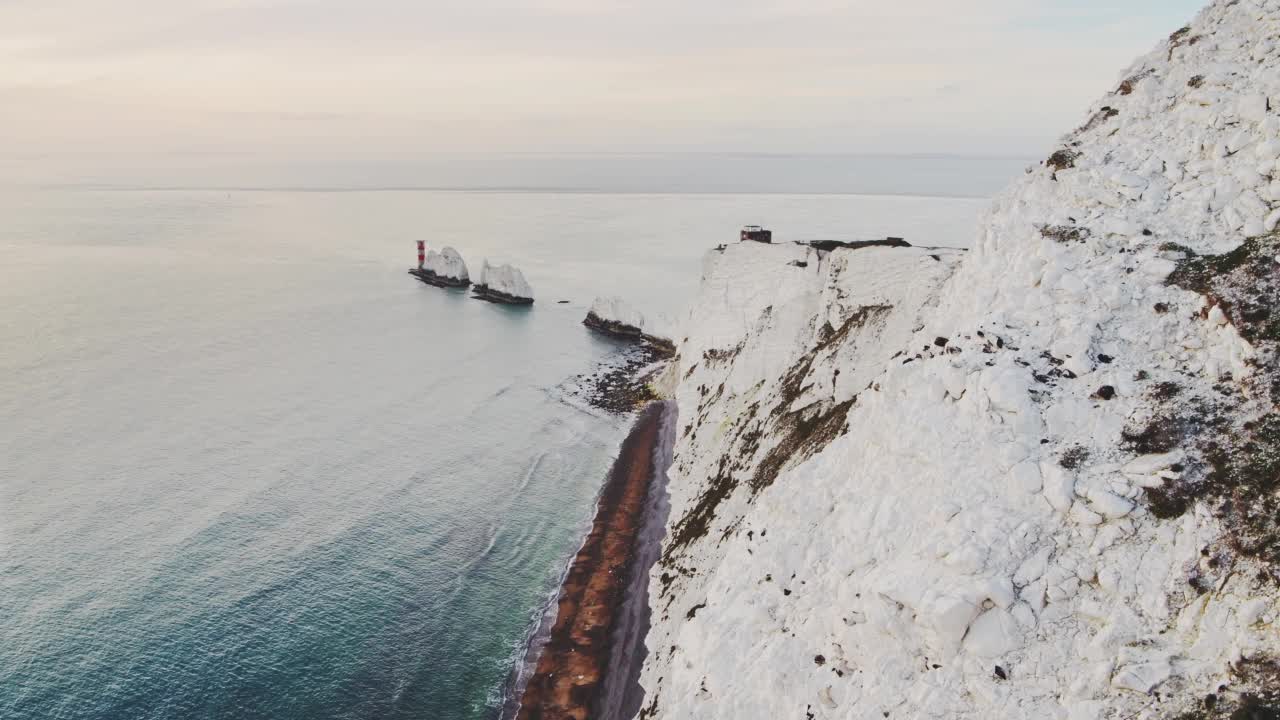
[(251, 469)]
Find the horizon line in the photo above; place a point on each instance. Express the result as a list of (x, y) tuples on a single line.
[(529, 153), (496, 190)]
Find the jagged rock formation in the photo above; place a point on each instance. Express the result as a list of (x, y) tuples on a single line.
[(1038, 480), (503, 284), (613, 316), (444, 269)]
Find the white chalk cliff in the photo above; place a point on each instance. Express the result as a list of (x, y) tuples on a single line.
[(1033, 480)]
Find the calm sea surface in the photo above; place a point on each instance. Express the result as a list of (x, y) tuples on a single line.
[(251, 469)]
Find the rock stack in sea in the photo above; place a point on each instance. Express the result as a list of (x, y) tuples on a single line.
[(444, 269), (503, 284), (615, 317)]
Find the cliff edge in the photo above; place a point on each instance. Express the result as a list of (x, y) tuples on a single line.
[(1038, 479)]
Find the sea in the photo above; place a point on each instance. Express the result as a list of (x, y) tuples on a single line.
[(250, 468)]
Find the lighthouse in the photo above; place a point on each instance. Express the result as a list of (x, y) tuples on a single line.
[(422, 253)]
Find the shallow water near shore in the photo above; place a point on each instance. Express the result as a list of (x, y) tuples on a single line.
[(252, 469)]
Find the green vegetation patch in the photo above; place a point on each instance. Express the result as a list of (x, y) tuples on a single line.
[(1238, 439), (1243, 282), (1254, 696)]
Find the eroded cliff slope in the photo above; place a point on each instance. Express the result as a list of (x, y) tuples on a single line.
[(1035, 480)]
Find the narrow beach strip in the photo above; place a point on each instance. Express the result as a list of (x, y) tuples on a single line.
[(568, 679)]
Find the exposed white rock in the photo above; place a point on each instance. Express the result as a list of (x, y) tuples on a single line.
[(614, 316), (505, 280), (661, 326), (447, 264), (874, 462), (616, 310)]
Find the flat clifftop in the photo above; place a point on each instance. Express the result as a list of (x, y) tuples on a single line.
[(1032, 480)]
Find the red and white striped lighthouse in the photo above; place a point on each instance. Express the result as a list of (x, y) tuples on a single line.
[(422, 253)]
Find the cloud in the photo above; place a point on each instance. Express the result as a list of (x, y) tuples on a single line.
[(423, 75)]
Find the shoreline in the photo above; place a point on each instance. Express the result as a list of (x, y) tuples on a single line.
[(622, 385), (621, 697), (659, 346), (574, 672)]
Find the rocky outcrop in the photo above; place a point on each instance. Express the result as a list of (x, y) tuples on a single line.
[(503, 284), (444, 269), (1038, 480), (614, 317)]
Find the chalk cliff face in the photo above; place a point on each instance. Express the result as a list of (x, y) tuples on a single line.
[(1037, 479)]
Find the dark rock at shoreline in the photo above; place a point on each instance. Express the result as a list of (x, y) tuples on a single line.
[(662, 347), (612, 327), (623, 385), (432, 278), (484, 292)]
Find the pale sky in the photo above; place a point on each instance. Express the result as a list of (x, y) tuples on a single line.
[(377, 77)]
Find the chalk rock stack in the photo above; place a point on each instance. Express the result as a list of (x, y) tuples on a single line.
[(445, 269), (503, 284), (614, 316)]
